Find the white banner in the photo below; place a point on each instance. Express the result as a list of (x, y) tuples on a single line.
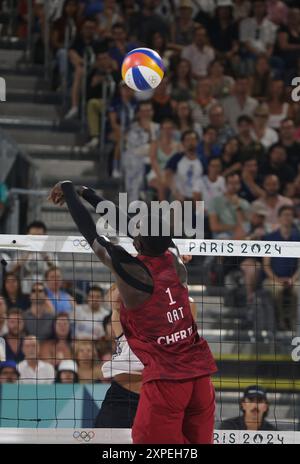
[(77, 244)]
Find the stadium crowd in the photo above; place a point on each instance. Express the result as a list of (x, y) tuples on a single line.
[(223, 127)]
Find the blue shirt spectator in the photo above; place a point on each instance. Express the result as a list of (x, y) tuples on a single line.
[(60, 299), (284, 267)]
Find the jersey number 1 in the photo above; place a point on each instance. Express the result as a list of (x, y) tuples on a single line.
[(172, 302)]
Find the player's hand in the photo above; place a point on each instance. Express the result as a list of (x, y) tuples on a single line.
[(56, 195), (186, 258)]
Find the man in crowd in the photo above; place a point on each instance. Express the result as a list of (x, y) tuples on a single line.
[(240, 103), (31, 369), (8, 372), (282, 273), (14, 337), (39, 317), (254, 407)]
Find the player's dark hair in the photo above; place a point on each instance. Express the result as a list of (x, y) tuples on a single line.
[(156, 244)]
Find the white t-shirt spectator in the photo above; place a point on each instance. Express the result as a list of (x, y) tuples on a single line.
[(210, 190), (270, 137), (260, 36), (89, 324), (188, 174), (43, 373), (233, 110), (199, 59)]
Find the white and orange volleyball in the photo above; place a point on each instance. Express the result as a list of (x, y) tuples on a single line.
[(142, 69)]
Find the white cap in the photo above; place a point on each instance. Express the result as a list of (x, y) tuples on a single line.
[(68, 365)]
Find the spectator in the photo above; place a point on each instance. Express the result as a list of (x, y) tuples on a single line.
[(108, 18), (84, 46), (8, 372), (272, 201), (279, 109), (240, 103), (250, 177), (261, 79), (87, 361), (254, 407), (208, 148), (120, 46), (260, 131), (14, 337), (161, 151), (199, 53), (103, 75), (184, 170), (241, 9), (183, 27), (61, 300), (63, 33), (12, 292), (39, 317), (182, 83), (228, 213), (288, 40), (257, 230), (217, 120), (257, 34), (160, 45), (89, 317), (184, 119), (247, 145), (211, 185), (121, 115), (222, 85), (136, 156), (145, 22), (60, 346), (3, 317), (32, 370), (230, 157), (223, 30), (277, 164), (287, 140), (67, 372), (31, 267), (161, 101), (203, 101), (277, 11), (282, 273)]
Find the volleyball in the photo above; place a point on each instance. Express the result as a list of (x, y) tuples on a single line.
[(142, 69)]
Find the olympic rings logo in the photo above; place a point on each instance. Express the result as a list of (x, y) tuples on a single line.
[(81, 243), (83, 435)]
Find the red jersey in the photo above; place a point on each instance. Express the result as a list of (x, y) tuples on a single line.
[(162, 332)]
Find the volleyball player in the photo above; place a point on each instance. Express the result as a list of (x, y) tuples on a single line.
[(119, 406), (177, 401)]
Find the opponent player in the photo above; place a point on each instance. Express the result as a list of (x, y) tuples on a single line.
[(177, 400)]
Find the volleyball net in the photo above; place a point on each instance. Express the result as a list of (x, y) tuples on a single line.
[(247, 304)]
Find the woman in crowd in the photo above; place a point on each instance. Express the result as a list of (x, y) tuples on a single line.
[(279, 108), (161, 151), (184, 119), (67, 372), (222, 85), (12, 293), (182, 83), (3, 317), (261, 79), (60, 345), (261, 132), (87, 361), (230, 157)]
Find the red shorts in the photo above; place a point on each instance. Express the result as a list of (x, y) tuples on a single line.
[(180, 411)]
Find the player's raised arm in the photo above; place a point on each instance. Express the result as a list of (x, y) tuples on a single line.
[(133, 278)]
